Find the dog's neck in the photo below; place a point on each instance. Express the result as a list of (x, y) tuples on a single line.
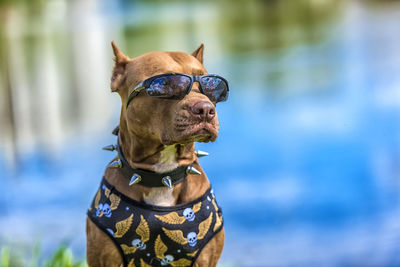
[(147, 154)]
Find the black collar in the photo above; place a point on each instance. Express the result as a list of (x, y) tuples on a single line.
[(145, 177)]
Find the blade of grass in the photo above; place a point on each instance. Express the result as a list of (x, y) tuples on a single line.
[(35, 255), (5, 257)]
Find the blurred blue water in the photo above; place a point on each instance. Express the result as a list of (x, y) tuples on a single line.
[(306, 167)]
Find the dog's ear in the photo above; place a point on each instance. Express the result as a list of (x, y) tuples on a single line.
[(198, 53), (119, 74)]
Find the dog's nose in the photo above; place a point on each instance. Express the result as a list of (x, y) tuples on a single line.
[(203, 110)]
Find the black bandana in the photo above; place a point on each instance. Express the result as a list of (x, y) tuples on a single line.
[(148, 235)]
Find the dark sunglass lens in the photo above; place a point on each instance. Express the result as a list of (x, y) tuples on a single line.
[(170, 86), (215, 88)]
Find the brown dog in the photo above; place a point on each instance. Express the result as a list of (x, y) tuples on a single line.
[(157, 135)]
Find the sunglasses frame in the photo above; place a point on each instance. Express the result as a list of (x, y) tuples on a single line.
[(193, 78)]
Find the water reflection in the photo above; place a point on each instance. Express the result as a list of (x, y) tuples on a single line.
[(306, 166)]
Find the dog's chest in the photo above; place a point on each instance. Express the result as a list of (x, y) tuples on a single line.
[(163, 196), (160, 197), (156, 235)]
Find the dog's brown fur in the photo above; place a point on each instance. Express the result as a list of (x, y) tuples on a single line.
[(158, 135)]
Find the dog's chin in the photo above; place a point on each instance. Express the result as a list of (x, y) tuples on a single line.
[(202, 132)]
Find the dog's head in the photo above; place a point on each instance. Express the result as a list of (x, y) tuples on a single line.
[(167, 121)]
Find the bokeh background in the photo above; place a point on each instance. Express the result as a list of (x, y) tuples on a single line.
[(307, 164)]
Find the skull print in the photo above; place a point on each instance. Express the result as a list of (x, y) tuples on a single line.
[(106, 210), (139, 244), (189, 214), (99, 210), (167, 260), (192, 239)]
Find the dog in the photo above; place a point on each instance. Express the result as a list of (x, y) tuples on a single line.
[(155, 205)]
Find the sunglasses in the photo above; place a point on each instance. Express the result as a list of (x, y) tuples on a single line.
[(178, 85)]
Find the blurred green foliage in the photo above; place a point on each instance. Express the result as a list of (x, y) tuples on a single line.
[(62, 257)]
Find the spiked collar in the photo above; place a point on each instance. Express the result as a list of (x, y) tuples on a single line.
[(146, 177)]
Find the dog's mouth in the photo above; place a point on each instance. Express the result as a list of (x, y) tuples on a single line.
[(200, 132), (194, 132)]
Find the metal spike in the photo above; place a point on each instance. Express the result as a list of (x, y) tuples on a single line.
[(115, 131), (200, 153), (167, 181), (110, 148), (115, 164), (192, 170), (136, 178)]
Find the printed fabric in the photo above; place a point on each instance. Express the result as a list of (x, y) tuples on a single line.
[(148, 235)]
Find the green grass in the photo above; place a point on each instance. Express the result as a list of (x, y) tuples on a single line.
[(5, 257), (62, 257)]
